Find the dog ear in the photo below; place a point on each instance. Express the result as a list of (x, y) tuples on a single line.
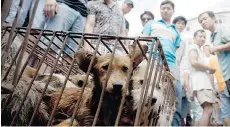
[(138, 55), (83, 59)]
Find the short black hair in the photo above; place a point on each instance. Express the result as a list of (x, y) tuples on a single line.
[(210, 14), (198, 31), (168, 2), (180, 18), (147, 13)]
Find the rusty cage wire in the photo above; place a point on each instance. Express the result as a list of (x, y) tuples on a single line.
[(36, 44)]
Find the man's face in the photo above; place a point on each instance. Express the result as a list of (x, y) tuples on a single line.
[(180, 25), (200, 38), (166, 11), (145, 18), (126, 8), (206, 21)]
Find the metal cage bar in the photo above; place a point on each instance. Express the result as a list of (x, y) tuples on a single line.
[(34, 41)]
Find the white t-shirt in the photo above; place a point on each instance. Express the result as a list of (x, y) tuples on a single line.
[(200, 79)]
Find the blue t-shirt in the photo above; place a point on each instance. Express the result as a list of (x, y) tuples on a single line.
[(168, 36)]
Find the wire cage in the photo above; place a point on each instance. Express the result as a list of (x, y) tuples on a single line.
[(58, 90)]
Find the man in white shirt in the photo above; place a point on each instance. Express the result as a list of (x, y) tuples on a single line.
[(201, 82)]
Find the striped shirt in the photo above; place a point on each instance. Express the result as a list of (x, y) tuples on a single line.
[(168, 36)]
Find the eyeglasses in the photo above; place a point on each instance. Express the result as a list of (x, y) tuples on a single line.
[(145, 19)]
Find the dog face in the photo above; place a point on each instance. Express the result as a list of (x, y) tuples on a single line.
[(120, 66), (118, 74)]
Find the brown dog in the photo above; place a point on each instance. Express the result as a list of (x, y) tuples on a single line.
[(117, 80), (114, 87)]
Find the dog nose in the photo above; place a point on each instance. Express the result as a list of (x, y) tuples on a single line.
[(117, 85)]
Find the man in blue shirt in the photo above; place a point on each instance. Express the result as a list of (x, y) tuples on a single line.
[(170, 41), (220, 38)]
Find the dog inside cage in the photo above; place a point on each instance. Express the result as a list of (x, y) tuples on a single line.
[(48, 81), (108, 85)]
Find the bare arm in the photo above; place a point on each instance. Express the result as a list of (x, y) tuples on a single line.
[(225, 47), (123, 30), (186, 82), (193, 56), (212, 81), (89, 26), (124, 33), (187, 86)]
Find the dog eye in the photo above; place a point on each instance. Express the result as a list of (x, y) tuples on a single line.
[(105, 67), (125, 69)]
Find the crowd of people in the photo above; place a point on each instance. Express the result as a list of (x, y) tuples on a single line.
[(202, 70)]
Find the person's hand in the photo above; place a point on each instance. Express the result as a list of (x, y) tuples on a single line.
[(212, 71), (213, 50), (217, 94), (191, 97), (50, 8)]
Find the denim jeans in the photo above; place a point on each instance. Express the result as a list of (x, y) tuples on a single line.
[(225, 103), (66, 19), (39, 18), (185, 108), (177, 115)]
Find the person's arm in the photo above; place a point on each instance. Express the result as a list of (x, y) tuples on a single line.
[(51, 8), (178, 41), (89, 26), (210, 64), (224, 47), (146, 32), (225, 40), (212, 81), (193, 57), (126, 32), (186, 82), (123, 29), (90, 22), (187, 86)]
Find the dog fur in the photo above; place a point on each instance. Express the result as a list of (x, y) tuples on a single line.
[(158, 94), (112, 96), (67, 122), (67, 103), (118, 75), (29, 104), (78, 80), (55, 84)]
